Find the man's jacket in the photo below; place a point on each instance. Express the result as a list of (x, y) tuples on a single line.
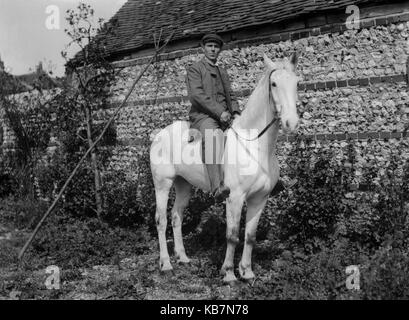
[(201, 88)]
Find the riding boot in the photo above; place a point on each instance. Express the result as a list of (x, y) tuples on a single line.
[(221, 193), (277, 188)]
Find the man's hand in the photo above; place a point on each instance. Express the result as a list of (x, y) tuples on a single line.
[(225, 117)]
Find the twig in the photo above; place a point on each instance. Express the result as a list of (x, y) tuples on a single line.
[(50, 209), (81, 138)]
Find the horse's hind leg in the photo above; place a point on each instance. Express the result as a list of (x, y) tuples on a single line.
[(182, 189), (162, 189)]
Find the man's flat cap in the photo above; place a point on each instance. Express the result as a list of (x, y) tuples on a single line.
[(211, 37)]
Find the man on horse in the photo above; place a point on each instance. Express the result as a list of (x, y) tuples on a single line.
[(213, 106), (272, 105)]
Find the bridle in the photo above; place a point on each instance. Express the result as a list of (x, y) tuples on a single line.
[(275, 117)]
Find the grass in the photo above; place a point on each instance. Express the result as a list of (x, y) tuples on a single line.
[(97, 261)]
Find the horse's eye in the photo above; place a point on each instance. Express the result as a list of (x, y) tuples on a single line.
[(273, 84)]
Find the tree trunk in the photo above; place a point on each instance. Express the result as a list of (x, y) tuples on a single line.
[(94, 161)]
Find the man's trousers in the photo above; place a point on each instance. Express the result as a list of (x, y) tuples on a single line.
[(212, 149)]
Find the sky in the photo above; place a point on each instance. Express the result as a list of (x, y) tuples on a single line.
[(25, 39)]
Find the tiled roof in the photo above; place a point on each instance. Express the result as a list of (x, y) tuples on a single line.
[(138, 20), (36, 80), (9, 84)]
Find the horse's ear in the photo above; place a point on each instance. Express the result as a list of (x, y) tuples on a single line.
[(294, 59), (267, 61)]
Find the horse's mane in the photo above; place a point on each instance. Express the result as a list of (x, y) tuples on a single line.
[(260, 95)]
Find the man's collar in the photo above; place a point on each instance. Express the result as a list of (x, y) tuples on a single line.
[(210, 62)]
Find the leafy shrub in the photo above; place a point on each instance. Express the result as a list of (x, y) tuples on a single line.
[(387, 274), (211, 230), (199, 210), (8, 185), (315, 204), (123, 201), (78, 199), (322, 206), (29, 118), (22, 213), (129, 198), (393, 197), (383, 211)]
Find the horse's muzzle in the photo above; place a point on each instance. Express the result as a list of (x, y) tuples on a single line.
[(290, 124)]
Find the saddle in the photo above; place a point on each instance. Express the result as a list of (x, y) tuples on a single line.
[(193, 134)]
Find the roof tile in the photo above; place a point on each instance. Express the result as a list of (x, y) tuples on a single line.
[(190, 19)]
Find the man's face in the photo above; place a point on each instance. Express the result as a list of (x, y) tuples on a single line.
[(212, 50)]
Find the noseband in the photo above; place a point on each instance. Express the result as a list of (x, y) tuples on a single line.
[(275, 118)]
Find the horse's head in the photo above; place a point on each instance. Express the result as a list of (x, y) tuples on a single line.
[(283, 90)]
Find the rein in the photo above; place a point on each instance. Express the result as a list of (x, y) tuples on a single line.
[(260, 134), (271, 122)]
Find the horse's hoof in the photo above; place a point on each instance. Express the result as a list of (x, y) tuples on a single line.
[(167, 271), (184, 260), (230, 279), (246, 275), (165, 267), (232, 283)]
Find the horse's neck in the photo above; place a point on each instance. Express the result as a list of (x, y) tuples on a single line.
[(257, 115)]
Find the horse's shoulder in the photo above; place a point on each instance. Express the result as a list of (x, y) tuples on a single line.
[(183, 124)]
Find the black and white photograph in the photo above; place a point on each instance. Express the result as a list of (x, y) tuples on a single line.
[(204, 154)]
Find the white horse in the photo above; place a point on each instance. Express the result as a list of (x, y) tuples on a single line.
[(250, 165)]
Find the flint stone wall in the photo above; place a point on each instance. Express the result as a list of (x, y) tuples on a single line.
[(352, 54), (353, 86)]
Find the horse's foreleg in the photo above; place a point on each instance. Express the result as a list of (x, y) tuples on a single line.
[(234, 205), (255, 206), (162, 189), (182, 189)]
